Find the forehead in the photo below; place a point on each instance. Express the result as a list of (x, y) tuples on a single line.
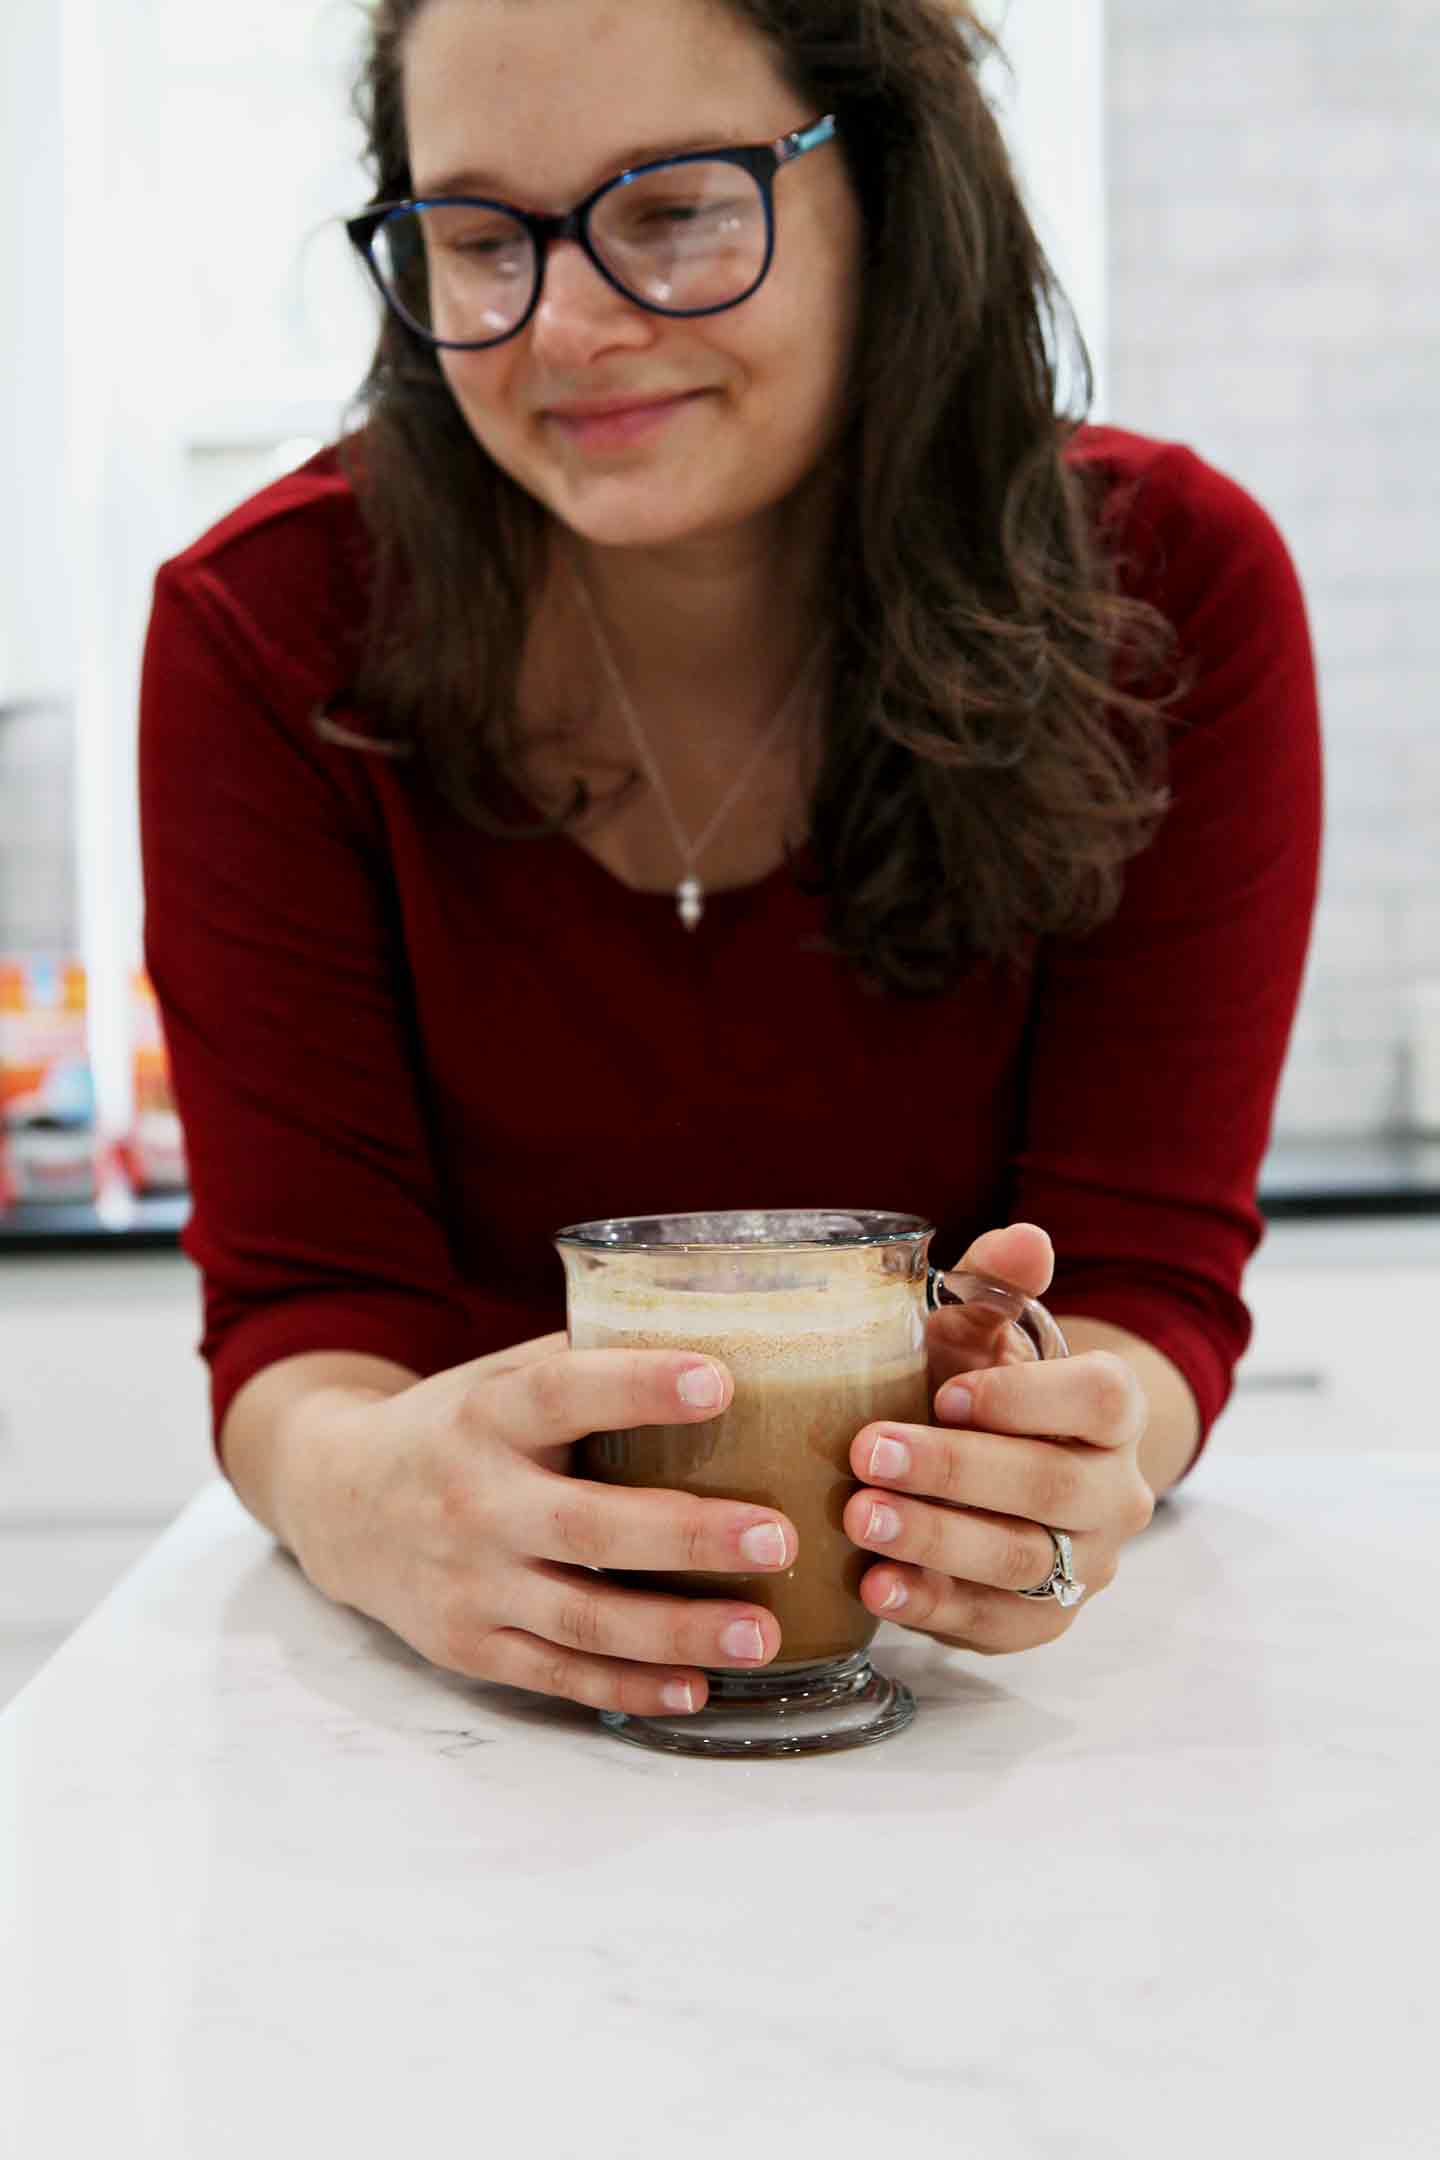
[(557, 93)]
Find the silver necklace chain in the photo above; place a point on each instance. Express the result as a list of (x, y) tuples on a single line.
[(690, 892)]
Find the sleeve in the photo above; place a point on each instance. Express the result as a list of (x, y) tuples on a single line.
[(1157, 1043), (271, 937)]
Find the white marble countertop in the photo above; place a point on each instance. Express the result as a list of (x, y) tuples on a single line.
[(269, 1883)]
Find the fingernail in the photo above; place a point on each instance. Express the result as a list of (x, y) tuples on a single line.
[(888, 1458), (678, 1695), (764, 1544), (897, 1596), (883, 1525), (955, 1405), (743, 1639), (701, 1388)]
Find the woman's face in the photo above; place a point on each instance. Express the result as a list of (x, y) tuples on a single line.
[(536, 102)]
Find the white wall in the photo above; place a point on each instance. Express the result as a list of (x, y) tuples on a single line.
[(217, 328), (1052, 106), (34, 620)]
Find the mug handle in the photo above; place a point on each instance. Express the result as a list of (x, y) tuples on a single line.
[(1030, 1323)]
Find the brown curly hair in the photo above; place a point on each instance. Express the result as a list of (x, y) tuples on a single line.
[(990, 763)]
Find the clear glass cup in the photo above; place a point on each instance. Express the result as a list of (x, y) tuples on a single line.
[(820, 1316)]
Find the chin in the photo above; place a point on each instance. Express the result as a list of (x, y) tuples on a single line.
[(656, 523)]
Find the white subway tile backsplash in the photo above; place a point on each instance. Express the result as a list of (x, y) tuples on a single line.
[(1273, 174)]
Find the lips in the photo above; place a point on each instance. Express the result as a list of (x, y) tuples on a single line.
[(618, 421), (613, 408)]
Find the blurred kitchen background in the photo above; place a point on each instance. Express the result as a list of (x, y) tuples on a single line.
[(1240, 201)]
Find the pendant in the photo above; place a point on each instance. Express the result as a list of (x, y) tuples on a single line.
[(690, 901)]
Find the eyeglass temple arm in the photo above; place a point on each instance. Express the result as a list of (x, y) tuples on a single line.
[(800, 140)]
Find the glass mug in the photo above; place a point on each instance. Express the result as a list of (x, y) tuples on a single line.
[(819, 1314)]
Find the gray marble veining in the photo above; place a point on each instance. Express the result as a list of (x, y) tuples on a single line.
[(270, 1878)]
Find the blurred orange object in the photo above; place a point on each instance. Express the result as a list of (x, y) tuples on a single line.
[(47, 1095), (154, 1150)]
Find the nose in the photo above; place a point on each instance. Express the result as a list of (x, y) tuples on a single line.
[(581, 314)]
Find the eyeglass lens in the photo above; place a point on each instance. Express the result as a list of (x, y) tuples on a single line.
[(680, 238)]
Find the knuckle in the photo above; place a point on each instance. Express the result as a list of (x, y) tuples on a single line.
[(925, 1594), (458, 1644), (948, 1609), (580, 1621), (455, 1501), (579, 1529), (471, 1414), (695, 1541), (922, 1537), (945, 1475), (1111, 1386), (560, 1673), (548, 1382)]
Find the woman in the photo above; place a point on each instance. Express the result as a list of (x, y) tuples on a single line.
[(714, 736)]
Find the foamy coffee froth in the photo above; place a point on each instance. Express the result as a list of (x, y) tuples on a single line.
[(809, 1374)]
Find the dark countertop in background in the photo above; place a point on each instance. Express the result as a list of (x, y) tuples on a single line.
[(1303, 1180), (70, 1227)]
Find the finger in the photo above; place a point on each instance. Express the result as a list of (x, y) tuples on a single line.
[(449, 1391), (524, 1353), (1021, 1254), (570, 1519), (962, 1335), (546, 1668), (557, 1399), (999, 1550), (1094, 1397), (584, 1612), (1064, 1483), (970, 1616)]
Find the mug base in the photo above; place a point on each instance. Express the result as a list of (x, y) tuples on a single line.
[(806, 1710)]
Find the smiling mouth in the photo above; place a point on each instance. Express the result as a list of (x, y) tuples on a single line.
[(609, 425)]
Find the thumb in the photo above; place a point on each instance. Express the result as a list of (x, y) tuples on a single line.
[(1021, 1255), (963, 1338)]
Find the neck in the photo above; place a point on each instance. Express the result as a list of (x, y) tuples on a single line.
[(712, 611)]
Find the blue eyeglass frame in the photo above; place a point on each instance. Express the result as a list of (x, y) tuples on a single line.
[(761, 160)]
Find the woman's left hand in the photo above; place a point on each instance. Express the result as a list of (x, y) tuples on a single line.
[(960, 1524)]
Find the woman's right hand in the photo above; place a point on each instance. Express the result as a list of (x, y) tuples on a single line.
[(446, 1511)]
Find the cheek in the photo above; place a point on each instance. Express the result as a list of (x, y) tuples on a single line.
[(479, 384), (821, 325), (813, 361)]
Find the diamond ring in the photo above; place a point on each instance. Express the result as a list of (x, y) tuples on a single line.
[(1060, 1583)]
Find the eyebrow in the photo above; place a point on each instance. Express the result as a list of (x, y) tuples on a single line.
[(471, 179)]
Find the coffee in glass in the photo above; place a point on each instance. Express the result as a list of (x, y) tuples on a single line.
[(819, 1315)]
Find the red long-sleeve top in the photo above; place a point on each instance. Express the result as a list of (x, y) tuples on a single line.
[(404, 1052)]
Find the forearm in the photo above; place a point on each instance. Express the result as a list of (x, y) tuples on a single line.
[(268, 1443), (1172, 1433)]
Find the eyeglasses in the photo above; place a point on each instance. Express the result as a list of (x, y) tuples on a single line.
[(688, 235)]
